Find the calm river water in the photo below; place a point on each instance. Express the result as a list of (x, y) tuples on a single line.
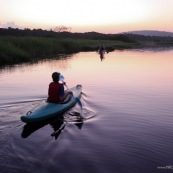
[(130, 94)]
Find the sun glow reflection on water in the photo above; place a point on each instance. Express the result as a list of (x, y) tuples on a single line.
[(131, 69)]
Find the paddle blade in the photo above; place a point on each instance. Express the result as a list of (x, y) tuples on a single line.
[(61, 78)]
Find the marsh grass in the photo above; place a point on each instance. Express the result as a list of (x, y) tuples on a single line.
[(28, 49)]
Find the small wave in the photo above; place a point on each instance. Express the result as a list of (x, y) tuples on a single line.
[(12, 104)]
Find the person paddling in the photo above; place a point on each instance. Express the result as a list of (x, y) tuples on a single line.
[(56, 92)]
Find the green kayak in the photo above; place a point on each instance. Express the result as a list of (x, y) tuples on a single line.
[(48, 110)]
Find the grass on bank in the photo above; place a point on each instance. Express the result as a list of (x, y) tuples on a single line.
[(28, 49)]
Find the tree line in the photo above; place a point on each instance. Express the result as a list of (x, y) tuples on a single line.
[(63, 32)]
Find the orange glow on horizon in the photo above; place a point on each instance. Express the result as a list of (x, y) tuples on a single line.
[(114, 16)]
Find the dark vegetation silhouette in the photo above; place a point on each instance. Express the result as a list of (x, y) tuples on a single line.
[(63, 34), (18, 46)]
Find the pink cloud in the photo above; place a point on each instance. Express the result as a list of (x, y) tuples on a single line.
[(9, 24)]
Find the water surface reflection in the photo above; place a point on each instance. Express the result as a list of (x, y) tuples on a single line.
[(130, 94)]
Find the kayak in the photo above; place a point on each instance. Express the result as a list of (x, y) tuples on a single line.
[(49, 110)]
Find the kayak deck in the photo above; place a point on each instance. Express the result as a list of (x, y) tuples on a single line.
[(48, 110)]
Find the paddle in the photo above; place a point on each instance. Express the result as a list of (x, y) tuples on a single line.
[(61, 78)]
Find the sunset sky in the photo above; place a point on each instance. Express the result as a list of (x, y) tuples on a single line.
[(110, 16)]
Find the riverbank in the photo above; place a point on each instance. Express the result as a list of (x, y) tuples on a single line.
[(20, 46), (15, 49)]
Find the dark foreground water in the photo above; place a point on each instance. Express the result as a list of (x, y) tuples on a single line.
[(130, 97)]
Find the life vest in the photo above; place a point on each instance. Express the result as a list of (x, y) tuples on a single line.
[(53, 92)]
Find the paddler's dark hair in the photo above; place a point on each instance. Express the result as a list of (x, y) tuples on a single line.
[(55, 76)]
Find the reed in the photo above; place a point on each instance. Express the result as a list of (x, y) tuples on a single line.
[(15, 49)]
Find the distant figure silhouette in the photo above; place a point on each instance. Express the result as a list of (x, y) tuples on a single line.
[(102, 51)]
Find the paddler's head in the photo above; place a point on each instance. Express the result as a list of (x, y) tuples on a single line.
[(55, 76)]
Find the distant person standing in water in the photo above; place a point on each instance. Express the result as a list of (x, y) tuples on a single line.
[(102, 51), (56, 91)]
